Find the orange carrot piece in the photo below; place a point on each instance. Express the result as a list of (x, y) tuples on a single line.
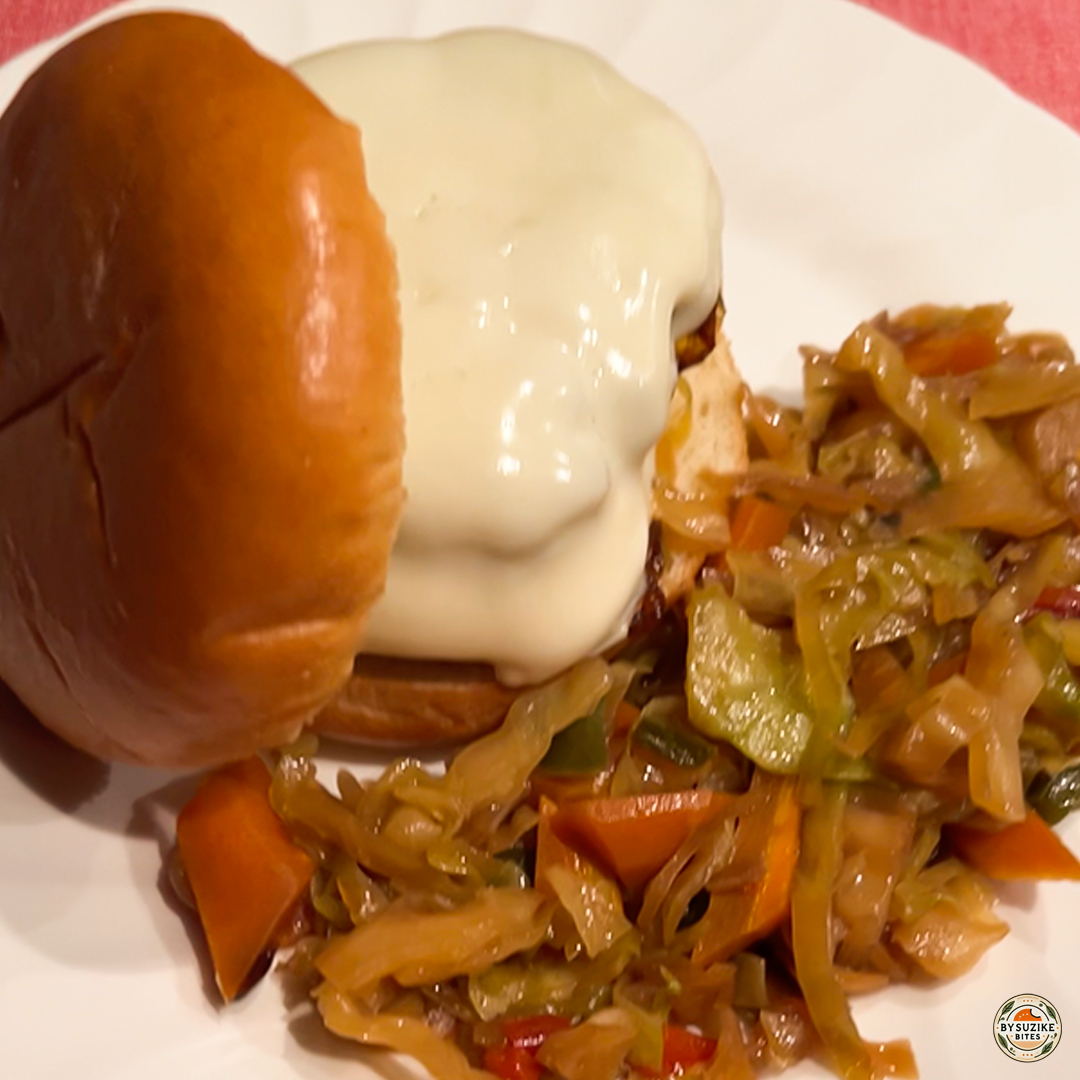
[(635, 835), (735, 920), (1028, 850), (758, 524), (954, 353), (772, 897), (245, 872)]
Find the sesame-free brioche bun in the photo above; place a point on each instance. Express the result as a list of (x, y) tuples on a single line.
[(201, 427)]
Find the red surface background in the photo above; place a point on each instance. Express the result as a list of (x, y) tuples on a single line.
[(1033, 45)]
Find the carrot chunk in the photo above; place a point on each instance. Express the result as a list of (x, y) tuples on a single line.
[(955, 353), (1028, 850), (772, 898), (758, 524), (736, 919), (245, 872), (635, 835)]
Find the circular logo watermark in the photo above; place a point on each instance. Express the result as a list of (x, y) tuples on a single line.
[(1027, 1028)]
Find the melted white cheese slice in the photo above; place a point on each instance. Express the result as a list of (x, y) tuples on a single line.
[(556, 228)]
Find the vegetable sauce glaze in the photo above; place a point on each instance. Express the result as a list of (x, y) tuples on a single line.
[(556, 228)]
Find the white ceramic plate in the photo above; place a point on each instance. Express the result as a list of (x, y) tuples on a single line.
[(863, 168)]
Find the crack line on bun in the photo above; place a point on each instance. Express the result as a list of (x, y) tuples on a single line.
[(53, 393), (79, 435)]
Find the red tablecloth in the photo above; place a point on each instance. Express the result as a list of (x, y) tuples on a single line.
[(1033, 45)]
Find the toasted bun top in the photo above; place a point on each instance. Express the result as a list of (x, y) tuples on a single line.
[(200, 409)]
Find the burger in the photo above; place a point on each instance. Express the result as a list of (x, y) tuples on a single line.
[(294, 432)]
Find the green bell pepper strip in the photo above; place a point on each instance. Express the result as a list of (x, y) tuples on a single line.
[(740, 685)]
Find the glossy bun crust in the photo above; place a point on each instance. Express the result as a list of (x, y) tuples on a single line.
[(200, 406)]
